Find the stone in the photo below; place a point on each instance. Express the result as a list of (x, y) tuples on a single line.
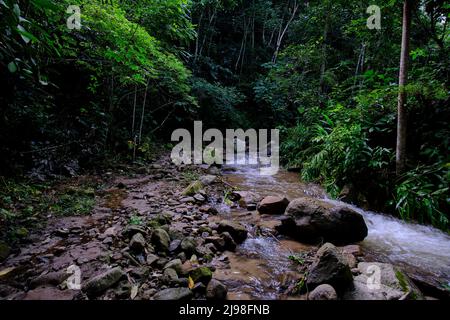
[(137, 243), (213, 170), (103, 281), (314, 220), (187, 200), (171, 274), (230, 244), (174, 294), (235, 229), (201, 274), (5, 250), (208, 179), (161, 240), (188, 245), (323, 292), (382, 281), (353, 249), (49, 293), (151, 259), (174, 245), (329, 267), (199, 198), (192, 188), (132, 229), (246, 198), (216, 290), (51, 278), (175, 265), (218, 242), (273, 205)]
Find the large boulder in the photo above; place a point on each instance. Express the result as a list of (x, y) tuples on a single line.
[(382, 281), (329, 267), (174, 294), (235, 229), (313, 220), (273, 205)]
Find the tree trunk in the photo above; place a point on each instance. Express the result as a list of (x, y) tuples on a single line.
[(403, 76)]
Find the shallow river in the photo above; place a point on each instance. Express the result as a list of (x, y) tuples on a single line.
[(260, 266)]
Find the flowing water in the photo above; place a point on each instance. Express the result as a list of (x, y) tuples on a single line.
[(260, 267)]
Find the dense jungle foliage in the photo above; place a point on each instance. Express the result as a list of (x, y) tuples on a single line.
[(72, 98)]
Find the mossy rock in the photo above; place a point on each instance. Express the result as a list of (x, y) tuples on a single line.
[(201, 274)]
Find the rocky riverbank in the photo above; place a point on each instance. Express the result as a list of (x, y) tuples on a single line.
[(161, 234)]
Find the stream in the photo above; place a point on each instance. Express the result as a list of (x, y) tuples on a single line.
[(260, 266)]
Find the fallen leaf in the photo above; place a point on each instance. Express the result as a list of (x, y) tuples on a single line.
[(4, 272), (190, 283), (134, 291)]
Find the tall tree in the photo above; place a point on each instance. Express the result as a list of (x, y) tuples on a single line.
[(403, 77)]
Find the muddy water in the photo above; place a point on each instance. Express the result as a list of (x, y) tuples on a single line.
[(260, 267)]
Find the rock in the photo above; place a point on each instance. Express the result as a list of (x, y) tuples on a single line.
[(216, 290), (207, 180), (229, 242), (353, 249), (51, 278), (175, 265), (235, 229), (329, 267), (251, 207), (137, 243), (174, 245), (213, 170), (201, 274), (382, 281), (245, 198), (193, 188), (132, 229), (49, 293), (174, 294), (171, 274), (199, 198), (314, 220), (151, 258), (187, 200), (218, 242), (161, 240), (188, 245), (273, 205), (103, 281), (323, 292), (4, 251)]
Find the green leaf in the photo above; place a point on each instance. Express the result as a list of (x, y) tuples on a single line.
[(12, 67), (45, 4), (26, 36)]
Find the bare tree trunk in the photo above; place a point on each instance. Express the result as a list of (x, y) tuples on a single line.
[(143, 112), (403, 77), (323, 65), (283, 33), (198, 36)]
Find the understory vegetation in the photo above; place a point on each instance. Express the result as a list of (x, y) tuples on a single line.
[(73, 99)]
